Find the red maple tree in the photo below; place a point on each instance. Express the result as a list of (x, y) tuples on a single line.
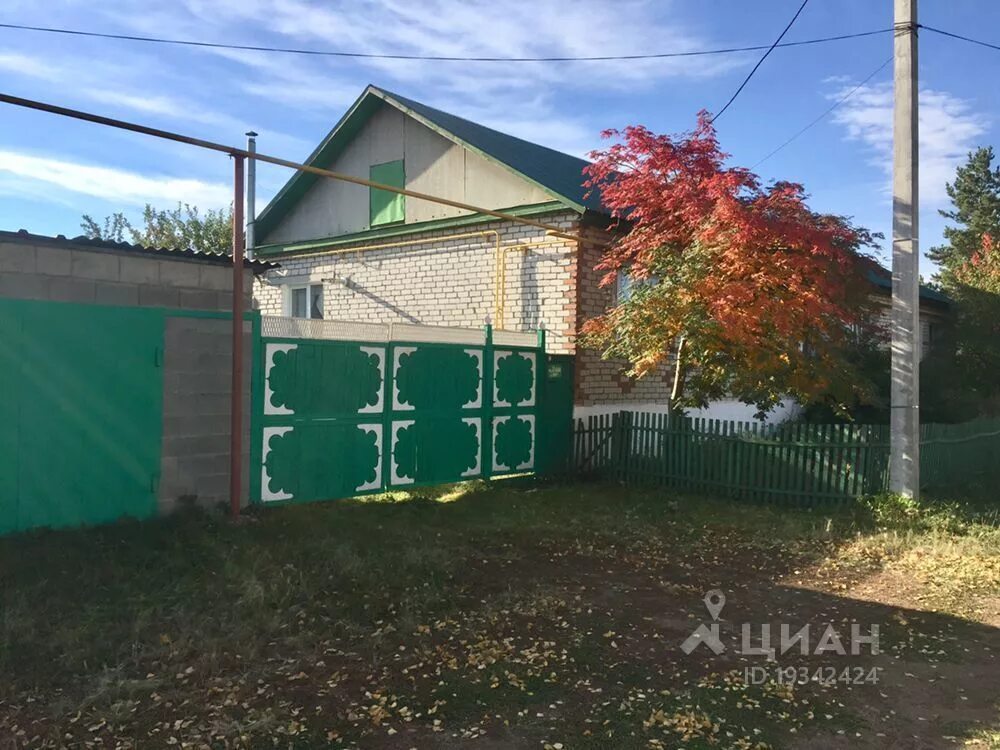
[(974, 286), (755, 296)]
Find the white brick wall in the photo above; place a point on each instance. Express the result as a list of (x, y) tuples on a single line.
[(449, 281)]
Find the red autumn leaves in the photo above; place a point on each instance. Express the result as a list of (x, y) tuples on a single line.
[(765, 292)]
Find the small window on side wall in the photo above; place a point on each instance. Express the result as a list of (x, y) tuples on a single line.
[(386, 207), (625, 285), (306, 301)]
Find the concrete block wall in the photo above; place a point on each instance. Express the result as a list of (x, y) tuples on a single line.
[(446, 282), (59, 273), (194, 461), (194, 458)]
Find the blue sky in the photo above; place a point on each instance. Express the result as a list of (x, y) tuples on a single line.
[(54, 170)]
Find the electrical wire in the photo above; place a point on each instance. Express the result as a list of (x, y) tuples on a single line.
[(437, 58), (760, 62), (830, 109), (953, 35), (871, 75)]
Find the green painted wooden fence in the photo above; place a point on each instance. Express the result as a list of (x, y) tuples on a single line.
[(800, 464), (347, 409)]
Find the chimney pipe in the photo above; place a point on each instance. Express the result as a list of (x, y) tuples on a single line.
[(251, 193)]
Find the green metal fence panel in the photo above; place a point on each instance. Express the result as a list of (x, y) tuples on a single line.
[(11, 381), (434, 419), (322, 419), (88, 385), (514, 408), (347, 417), (555, 416)]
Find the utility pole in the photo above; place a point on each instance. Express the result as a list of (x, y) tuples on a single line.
[(904, 459)]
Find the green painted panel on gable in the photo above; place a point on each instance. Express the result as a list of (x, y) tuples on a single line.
[(386, 207), (90, 411)]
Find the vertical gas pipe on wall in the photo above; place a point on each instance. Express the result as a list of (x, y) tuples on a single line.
[(251, 193), (236, 403)]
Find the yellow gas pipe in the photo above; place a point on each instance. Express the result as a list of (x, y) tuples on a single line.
[(499, 263)]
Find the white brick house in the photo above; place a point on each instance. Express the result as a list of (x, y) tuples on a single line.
[(350, 253)]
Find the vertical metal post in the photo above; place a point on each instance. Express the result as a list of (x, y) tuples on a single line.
[(904, 459), (236, 403), (251, 193), (486, 441)]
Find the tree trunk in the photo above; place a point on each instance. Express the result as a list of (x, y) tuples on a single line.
[(678, 386)]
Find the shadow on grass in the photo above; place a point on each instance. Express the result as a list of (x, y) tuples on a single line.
[(431, 597)]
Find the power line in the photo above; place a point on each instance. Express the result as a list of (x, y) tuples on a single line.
[(836, 104), (438, 58), (234, 151), (759, 63), (942, 32)]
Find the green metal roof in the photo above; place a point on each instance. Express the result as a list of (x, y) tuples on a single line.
[(557, 173), (882, 278)]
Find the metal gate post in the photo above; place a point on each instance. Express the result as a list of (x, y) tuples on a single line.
[(487, 442), (236, 402)]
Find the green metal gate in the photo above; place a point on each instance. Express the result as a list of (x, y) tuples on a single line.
[(347, 409), (81, 394)]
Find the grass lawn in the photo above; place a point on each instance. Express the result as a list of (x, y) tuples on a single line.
[(503, 616)]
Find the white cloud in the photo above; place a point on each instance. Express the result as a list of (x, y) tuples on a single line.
[(299, 84), (25, 65), (116, 185), (119, 87), (153, 104), (949, 129), (514, 97), (292, 100)]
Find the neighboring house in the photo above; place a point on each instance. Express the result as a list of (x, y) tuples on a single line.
[(352, 253), (935, 309)]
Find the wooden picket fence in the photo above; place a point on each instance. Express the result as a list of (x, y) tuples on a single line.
[(800, 464)]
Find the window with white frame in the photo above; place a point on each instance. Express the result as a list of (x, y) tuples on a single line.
[(306, 301), (625, 285)]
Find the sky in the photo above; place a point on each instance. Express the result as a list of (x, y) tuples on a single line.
[(54, 170)]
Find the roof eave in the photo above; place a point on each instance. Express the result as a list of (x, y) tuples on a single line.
[(264, 217)]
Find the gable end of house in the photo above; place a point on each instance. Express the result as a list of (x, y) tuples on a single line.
[(403, 143)]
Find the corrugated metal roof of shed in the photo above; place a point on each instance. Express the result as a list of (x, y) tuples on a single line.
[(87, 243)]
